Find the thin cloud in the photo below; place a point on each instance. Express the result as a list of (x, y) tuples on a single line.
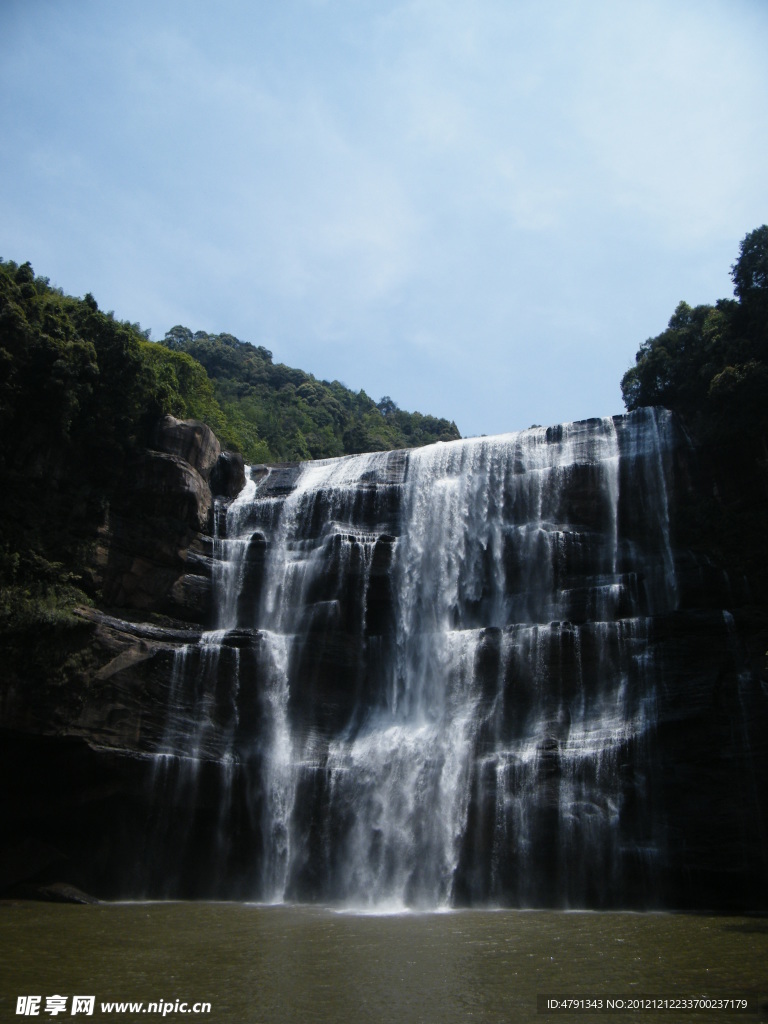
[(472, 207)]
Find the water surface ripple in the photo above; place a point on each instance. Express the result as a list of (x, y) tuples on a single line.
[(301, 965)]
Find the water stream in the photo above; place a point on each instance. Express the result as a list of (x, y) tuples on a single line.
[(430, 682)]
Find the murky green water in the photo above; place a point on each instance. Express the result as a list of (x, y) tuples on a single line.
[(306, 965)]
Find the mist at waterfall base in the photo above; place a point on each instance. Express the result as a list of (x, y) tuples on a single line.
[(432, 681)]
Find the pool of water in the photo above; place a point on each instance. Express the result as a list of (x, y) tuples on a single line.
[(287, 964)]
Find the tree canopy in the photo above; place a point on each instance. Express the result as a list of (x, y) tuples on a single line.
[(81, 392), (711, 362), (285, 414), (711, 366)]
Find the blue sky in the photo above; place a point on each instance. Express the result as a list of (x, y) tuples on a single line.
[(478, 207)]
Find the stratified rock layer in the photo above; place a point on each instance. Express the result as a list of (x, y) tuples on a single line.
[(191, 441), (487, 672), (155, 548)]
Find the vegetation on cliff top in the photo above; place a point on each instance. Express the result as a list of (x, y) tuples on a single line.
[(81, 392), (284, 415), (711, 363), (711, 366)]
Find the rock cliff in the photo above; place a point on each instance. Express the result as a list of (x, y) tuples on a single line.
[(152, 560), (155, 547), (608, 658)]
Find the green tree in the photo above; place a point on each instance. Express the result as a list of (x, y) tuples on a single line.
[(711, 363), (750, 285), (294, 414), (750, 271)]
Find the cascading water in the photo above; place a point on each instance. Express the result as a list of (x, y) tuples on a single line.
[(430, 681)]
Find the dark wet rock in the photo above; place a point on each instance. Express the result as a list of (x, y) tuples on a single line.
[(55, 892), (191, 441), (154, 548), (166, 486), (228, 475), (690, 788)]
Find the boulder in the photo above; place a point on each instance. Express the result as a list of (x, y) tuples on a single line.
[(167, 486), (156, 534), (190, 440), (56, 892), (228, 475)]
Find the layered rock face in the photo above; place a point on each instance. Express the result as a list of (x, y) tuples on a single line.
[(156, 548), (484, 672)]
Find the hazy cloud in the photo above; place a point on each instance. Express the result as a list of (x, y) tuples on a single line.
[(478, 208)]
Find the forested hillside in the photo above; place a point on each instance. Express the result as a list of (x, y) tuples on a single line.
[(80, 396), (283, 414), (77, 398), (81, 393), (711, 363), (711, 366)]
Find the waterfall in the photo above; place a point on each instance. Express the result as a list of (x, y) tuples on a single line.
[(430, 681)]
